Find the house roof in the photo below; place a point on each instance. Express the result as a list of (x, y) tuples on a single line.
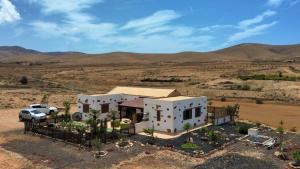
[(138, 103), (147, 92), (177, 98)]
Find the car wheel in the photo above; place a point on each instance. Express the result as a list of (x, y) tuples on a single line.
[(50, 112)]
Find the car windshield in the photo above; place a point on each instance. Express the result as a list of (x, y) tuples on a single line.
[(35, 112)]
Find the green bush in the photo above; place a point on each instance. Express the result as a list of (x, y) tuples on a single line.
[(259, 101), (243, 128), (116, 123), (124, 125), (189, 145), (268, 77)]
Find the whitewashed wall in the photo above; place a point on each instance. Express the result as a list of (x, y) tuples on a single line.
[(172, 113), (188, 104), (166, 118), (96, 101)]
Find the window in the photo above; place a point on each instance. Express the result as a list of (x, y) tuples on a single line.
[(104, 108), (86, 108), (158, 115), (187, 114), (197, 111), (37, 107)]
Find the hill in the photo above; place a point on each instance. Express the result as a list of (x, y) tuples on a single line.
[(242, 52)]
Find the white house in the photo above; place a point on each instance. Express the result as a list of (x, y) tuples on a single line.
[(164, 109)]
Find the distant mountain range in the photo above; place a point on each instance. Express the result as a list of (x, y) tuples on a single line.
[(242, 52)]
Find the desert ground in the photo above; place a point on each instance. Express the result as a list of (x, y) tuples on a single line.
[(215, 75)]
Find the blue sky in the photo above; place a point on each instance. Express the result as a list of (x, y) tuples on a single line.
[(152, 26)]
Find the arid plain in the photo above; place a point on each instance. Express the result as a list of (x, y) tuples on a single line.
[(216, 75)]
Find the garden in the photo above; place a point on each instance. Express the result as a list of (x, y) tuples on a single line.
[(92, 133), (198, 142)]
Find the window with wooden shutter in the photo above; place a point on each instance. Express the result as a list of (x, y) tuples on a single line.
[(104, 108), (158, 115), (197, 111), (187, 114)]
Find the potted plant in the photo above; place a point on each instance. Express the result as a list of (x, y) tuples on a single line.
[(96, 143)]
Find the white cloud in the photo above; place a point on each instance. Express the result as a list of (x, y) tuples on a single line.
[(258, 19), (157, 19), (257, 30), (8, 12), (275, 3), (215, 28), (65, 6)]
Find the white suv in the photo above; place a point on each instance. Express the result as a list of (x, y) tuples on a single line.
[(43, 108), (33, 115)]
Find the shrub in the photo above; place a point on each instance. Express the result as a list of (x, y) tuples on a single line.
[(187, 127), (189, 145), (296, 157), (214, 136), (245, 87), (124, 125), (116, 123), (293, 129), (24, 80), (259, 101), (243, 129), (204, 130)]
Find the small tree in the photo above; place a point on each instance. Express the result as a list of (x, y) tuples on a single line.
[(214, 136), (45, 99), (280, 130), (233, 112), (24, 80), (67, 106), (187, 127), (280, 74)]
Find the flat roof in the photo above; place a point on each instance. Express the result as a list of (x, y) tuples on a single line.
[(177, 98)]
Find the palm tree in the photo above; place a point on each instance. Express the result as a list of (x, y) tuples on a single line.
[(113, 115), (280, 130), (233, 112), (93, 120), (67, 106), (53, 115), (150, 131), (187, 127)]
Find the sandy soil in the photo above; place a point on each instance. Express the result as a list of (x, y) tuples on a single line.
[(270, 114)]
